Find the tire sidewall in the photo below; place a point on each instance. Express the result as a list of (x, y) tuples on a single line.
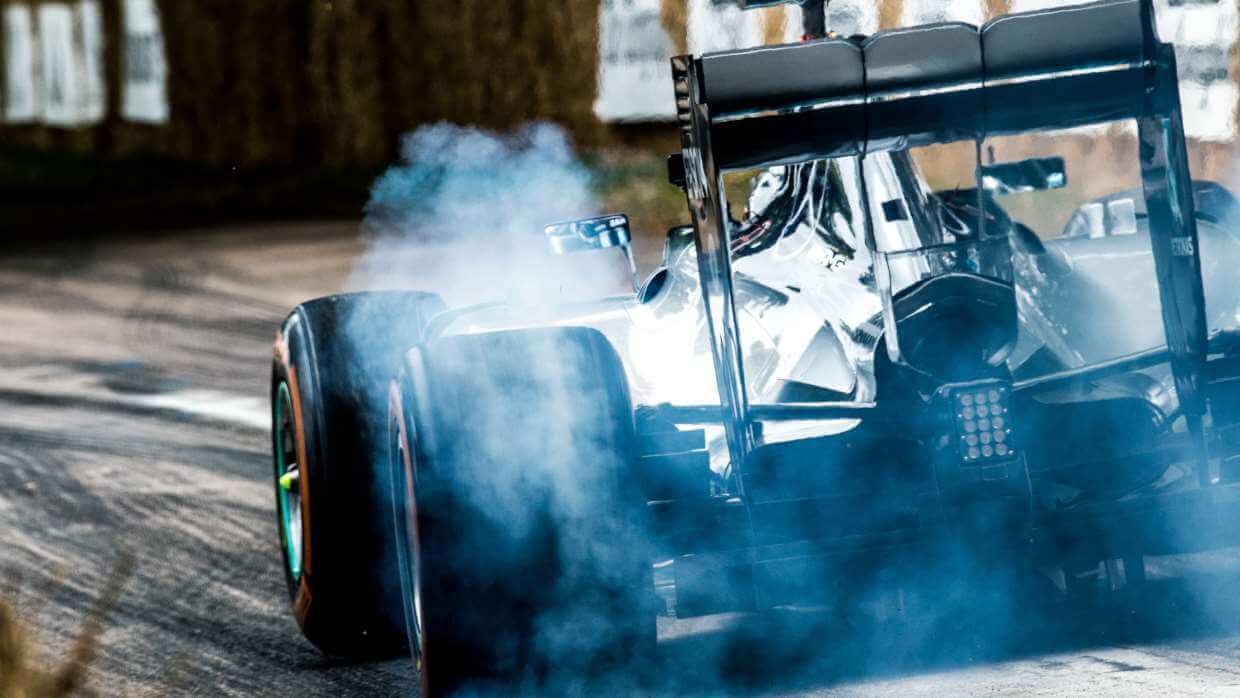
[(294, 366)]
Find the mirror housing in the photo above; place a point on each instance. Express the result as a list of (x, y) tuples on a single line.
[(599, 233), (586, 234), (1022, 176)]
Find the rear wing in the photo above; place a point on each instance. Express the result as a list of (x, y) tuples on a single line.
[(941, 83)]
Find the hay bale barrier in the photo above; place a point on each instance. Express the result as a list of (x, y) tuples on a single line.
[(264, 96), (271, 98), (275, 90), (337, 82)]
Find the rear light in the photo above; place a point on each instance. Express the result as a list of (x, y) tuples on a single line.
[(983, 420), (980, 474)]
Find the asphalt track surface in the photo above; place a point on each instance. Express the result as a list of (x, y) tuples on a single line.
[(133, 408)]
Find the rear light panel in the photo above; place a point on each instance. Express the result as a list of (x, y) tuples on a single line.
[(983, 421)]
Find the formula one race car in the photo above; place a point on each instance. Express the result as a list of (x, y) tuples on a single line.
[(860, 372)]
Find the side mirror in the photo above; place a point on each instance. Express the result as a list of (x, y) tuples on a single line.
[(601, 233), (1035, 174)]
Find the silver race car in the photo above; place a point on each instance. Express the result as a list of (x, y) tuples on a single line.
[(857, 372)]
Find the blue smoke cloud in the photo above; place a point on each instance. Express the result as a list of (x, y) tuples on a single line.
[(462, 215)]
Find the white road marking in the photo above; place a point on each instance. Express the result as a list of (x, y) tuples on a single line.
[(236, 409)]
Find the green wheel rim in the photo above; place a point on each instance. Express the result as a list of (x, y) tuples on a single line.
[(288, 490)]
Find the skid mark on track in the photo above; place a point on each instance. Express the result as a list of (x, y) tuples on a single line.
[(1115, 665), (47, 484)]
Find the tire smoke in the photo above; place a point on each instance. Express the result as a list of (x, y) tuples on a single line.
[(462, 215)]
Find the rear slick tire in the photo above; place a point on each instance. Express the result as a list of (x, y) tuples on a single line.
[(333, 360), (522, 543)]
